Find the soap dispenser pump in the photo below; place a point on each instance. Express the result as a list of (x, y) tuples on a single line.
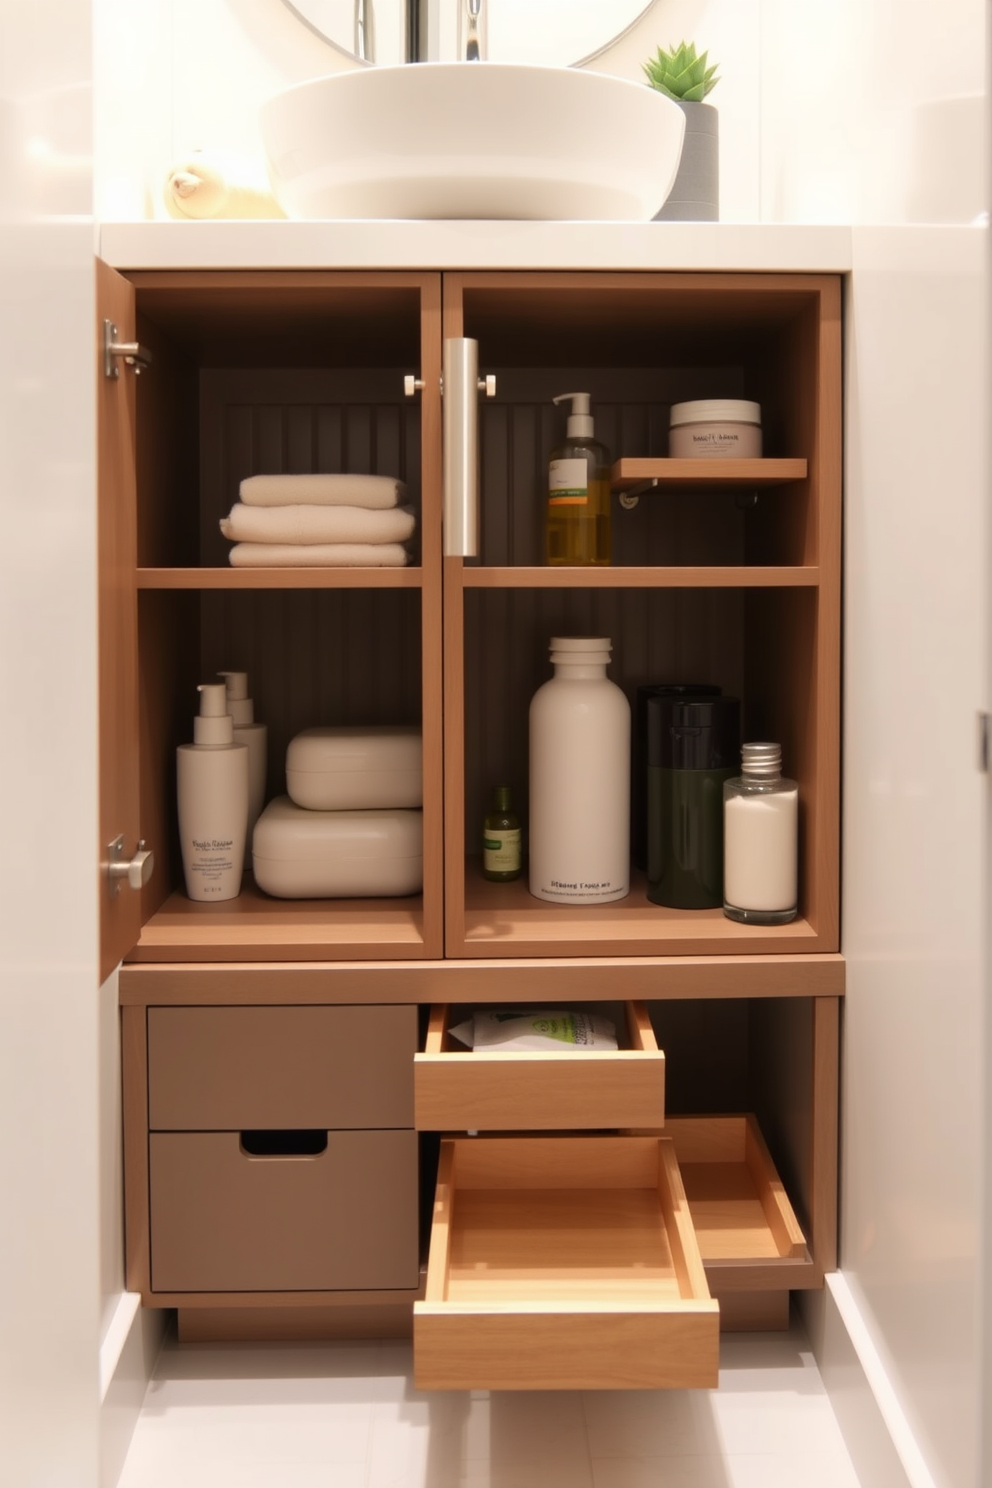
[(578, 511), (255, 735), (212, 781)]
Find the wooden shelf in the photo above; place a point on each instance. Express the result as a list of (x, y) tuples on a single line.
[(254, 927), (632, 471), (507, 917), (280, 578), (730, 577)]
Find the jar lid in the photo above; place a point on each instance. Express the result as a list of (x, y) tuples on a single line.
[(716, 411)]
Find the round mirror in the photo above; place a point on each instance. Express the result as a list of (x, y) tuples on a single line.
[(552, 33)]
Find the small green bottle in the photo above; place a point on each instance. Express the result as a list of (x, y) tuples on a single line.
[(501, 840)]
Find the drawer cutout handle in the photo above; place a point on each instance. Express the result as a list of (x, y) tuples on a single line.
[(304, 1143)]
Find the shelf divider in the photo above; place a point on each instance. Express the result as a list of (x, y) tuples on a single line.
[(767, 576), (280, 578)]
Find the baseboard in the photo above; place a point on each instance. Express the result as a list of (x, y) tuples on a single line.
[(881, 1444), (127, 1359)]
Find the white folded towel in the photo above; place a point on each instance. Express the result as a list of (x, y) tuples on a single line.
[(317, 524), (374, 492), (318, 555)]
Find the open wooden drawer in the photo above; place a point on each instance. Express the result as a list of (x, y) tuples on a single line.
[(747, 1231), (486, 1090), (563, 1263)]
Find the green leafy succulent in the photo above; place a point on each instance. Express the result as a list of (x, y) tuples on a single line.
[(680, 74)]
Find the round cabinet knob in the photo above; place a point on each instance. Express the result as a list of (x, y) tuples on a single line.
[(135, 871)]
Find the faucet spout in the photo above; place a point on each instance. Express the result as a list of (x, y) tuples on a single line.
[(472, 30)]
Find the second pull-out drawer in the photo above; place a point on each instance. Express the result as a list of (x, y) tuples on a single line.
[(491, 1090), (228, 1068), (563, 1263), (283, 1211)]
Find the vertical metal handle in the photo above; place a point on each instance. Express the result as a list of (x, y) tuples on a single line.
[(461, 448)]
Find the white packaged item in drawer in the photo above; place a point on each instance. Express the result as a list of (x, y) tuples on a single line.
[(300, 854), (348, 769), (552, 1030)]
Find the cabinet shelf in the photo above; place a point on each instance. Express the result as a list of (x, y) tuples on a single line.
[(507, 919), (254, 927), (733, 576), (279, 578), (632, 471)]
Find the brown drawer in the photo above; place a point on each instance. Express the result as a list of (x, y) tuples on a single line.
[(490, 1091), (224, 1220), (563, 1263), (746, 1227), (228, 1068)]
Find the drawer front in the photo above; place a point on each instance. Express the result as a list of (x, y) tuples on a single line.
[(231, 1068), (492, 1091), (223, 1220), (563, 1263)]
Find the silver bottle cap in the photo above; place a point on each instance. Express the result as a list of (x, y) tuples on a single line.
[(761, 760)]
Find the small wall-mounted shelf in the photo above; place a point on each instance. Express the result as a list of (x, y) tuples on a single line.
[(634, 471)]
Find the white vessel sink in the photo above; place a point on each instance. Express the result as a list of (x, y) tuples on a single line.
[(471, 140)]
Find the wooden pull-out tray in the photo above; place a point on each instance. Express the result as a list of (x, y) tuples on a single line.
[(563, 1263), (746, 1228), (487, 1090)]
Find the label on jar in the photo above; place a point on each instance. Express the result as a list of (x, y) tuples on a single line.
[(501, 850), (568, 483)]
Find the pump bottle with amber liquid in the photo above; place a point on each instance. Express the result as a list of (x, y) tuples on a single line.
[(578, 511)]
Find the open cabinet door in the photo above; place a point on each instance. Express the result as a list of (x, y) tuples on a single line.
[(120, 904)]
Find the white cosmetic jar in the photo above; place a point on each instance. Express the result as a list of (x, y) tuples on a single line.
[(715, 428), (299, 854), (348, 769)]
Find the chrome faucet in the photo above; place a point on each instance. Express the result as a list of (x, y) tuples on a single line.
[(365, 30), (472, 30), (421, 20)]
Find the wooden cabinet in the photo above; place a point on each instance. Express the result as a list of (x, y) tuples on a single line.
[(259, 1016)]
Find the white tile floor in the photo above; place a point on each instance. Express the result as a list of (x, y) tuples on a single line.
[(347, 1416)]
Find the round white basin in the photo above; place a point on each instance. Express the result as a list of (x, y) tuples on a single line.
[(472, 140)]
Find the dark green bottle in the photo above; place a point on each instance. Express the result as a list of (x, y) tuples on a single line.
[(692, 750), (501, 840)]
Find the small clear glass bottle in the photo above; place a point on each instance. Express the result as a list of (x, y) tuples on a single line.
[(501, 840), (760, 840)]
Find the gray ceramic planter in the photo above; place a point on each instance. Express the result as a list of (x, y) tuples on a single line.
[(695, 197)]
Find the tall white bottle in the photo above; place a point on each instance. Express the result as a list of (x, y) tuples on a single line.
[(212, 780), (255, 736), (579, 779)]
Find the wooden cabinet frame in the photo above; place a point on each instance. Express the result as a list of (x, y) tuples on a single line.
[(166, 597)]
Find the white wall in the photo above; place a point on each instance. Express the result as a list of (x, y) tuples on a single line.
[(49, 1237), (915, 881), (858, 125)]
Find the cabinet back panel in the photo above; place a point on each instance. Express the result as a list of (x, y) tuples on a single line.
[(688, 635)]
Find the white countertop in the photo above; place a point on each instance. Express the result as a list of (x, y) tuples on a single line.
[(724, 246)]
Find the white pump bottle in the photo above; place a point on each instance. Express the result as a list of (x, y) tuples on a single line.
[(255, 736), (212, 781)]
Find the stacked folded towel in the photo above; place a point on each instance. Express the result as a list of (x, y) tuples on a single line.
[(319, 521)]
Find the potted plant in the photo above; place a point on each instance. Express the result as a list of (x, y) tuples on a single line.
[(686, 79)]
